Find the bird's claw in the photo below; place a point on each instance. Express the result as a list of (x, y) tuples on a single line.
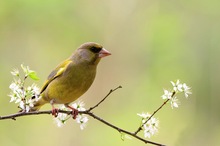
[(75, 112), (55, 112)]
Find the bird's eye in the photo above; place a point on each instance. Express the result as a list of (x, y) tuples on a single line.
[(95, 49)]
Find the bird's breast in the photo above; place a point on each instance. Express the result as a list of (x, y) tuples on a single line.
[(71, 84)]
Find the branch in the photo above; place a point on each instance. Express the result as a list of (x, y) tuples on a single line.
[(88, 112), (21, 114)]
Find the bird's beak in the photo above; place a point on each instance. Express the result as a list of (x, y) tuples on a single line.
[(104, 53)]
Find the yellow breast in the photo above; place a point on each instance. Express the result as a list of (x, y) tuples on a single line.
[(70, 85)]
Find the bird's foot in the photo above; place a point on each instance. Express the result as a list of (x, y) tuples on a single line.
[(74, 113), (55, 112)]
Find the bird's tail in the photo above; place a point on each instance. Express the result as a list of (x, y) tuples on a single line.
[(37, 104)]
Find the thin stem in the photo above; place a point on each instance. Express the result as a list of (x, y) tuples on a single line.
[(160, 107), (110, 92)]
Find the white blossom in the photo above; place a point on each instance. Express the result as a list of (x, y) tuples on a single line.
[(150, 126), (167, 94), (79, 106), (186, 90), (33, 90), (15, 72), (13, 97), (82, 120), (147, 132), (30, 104), (22, 105), (177, 86), (14, 87), (21, 95), (61, 119), (25, 69), (174, 102), (144, 115)]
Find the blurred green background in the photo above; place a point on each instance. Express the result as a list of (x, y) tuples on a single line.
[(152, 42)]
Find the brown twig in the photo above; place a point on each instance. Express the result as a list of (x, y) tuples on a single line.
[(160, 107), (110, 92)]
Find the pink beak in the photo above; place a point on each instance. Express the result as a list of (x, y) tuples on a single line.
[(104, 53)]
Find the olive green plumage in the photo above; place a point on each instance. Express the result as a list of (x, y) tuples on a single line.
[(73, 77)]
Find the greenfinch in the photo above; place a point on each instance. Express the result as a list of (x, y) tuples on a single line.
[(71, 78)]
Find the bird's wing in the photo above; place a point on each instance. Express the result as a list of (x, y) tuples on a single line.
[(60, 69)]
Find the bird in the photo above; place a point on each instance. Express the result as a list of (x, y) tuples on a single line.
[(71, 78)]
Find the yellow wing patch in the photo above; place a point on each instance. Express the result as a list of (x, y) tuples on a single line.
[(60, 69)]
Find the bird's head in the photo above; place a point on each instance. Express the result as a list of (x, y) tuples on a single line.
[(90, 53)]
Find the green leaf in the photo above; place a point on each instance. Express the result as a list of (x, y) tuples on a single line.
[(33, 75)]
